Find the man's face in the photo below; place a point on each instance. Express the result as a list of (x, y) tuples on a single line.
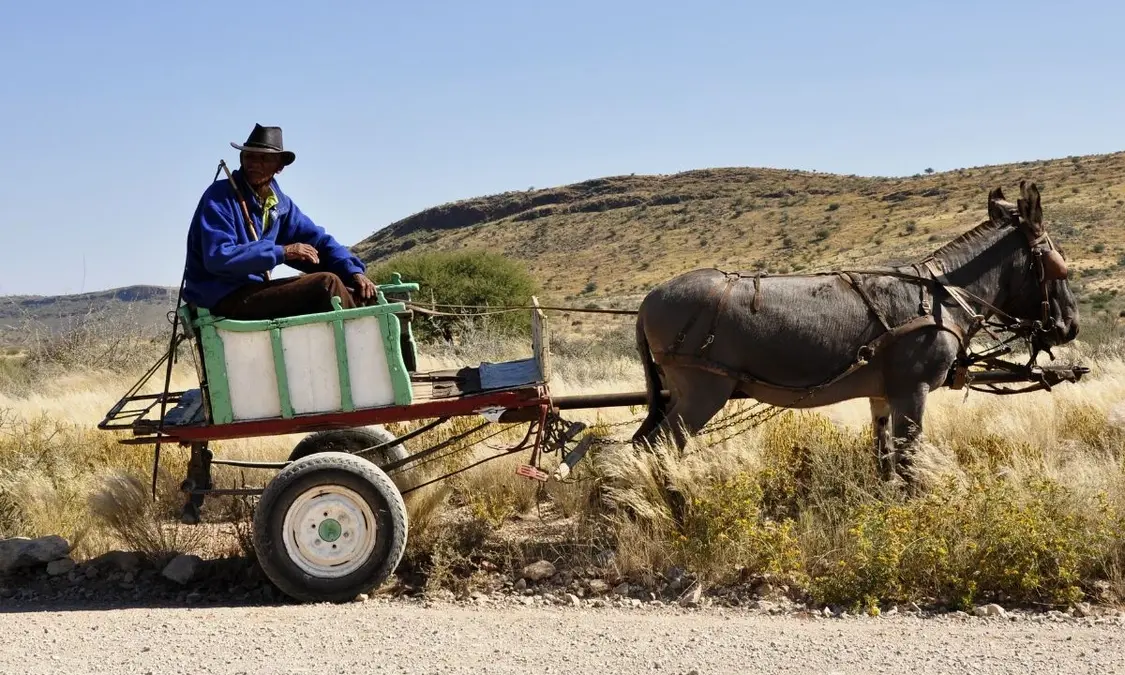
[(260, 167)]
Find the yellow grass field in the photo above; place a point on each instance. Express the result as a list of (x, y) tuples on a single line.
[(1023, 500)]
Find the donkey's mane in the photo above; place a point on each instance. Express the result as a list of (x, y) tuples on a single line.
[(984, 230)]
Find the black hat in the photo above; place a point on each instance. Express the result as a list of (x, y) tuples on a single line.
[(266, 139)]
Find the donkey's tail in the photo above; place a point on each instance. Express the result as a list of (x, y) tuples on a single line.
[(653, 386)]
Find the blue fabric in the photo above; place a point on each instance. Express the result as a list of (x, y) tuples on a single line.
[(221, 257), (508, 374)]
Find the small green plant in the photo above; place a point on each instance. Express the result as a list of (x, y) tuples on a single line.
[(474, 278)]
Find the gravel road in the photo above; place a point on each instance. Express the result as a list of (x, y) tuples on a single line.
[(399, 637)]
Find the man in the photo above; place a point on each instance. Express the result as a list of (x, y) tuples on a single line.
[(229, 260)]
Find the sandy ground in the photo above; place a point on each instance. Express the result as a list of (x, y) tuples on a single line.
[(396, 637)]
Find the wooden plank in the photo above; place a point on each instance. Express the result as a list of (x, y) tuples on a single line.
[(540, 341)]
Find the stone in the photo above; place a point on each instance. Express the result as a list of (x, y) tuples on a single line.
[(20, 552), (60, 567), (598, 587), (693, 597), (621, 589), (538, 571), (182, 569), (989, 610), (120, 561), (573, 599)]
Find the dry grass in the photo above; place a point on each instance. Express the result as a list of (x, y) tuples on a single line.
[(1023, 499)]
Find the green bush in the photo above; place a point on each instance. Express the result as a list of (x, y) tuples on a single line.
[(463, 278)]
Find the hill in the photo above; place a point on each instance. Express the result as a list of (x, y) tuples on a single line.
[(24, 318), (618, 236)]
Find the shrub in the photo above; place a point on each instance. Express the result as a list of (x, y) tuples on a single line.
[(463, 278)]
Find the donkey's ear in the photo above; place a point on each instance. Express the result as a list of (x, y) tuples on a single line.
[(997, 211), (1031, 211)]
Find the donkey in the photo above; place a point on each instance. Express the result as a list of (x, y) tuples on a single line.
[(890, 334)]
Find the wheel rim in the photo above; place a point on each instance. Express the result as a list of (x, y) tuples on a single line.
[(329, 531)]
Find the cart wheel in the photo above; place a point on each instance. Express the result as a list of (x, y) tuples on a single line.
[(350, 440), (329, 527)]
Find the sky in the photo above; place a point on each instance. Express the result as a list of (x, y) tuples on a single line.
[(114, 115)]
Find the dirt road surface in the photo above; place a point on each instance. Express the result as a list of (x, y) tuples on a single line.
[(395, 637)]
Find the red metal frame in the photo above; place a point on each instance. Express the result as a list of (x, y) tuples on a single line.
[(524, 397)]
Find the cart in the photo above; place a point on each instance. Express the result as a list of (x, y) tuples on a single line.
[(332, 523)]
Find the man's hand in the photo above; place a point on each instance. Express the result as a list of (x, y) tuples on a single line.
[(364, 286), (302, 252)]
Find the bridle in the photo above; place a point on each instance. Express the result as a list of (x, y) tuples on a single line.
[(1049, 266)]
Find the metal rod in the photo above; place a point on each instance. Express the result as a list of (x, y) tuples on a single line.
[(391, 466), (638, 398), (404, 438), (247, 464), (228, 492), (463, 469)]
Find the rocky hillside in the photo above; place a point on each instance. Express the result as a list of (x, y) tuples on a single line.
[(618, 236), (24, 318)]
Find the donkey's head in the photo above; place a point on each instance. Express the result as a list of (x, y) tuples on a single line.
[(1039, 291)]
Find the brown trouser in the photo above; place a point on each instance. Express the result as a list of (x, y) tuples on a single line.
[(292, 296)]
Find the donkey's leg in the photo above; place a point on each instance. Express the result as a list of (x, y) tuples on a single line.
[(881, 431), (906, 422), (650, 427), (698, 396)]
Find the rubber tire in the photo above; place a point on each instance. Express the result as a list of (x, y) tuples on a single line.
[(330, 468), (351, 441)]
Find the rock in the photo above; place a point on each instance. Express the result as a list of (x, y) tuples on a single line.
[(989, 610), (538, 571), (621, 589), (182, 569), (59, 567), (21, 552), (573, 600), (598, 587), (362, 597), (521, 585), (120, 561), (693, 597)]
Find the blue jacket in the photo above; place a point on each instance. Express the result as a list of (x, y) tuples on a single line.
[(221, 257)]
